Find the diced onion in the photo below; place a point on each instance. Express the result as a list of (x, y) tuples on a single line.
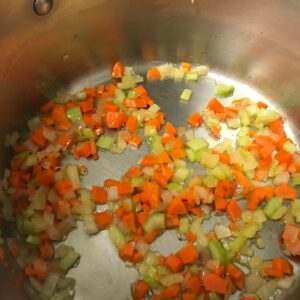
[(112, 193)]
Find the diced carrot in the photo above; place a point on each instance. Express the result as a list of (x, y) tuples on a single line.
[(38, 138), (64, 186), (286, 191), (148, 161), (236, 276), (46, 250), (234, 210), (103, 219), (195, 120), (125, 188), (172, 222), (194, 284), (178, 153), (188, 254), (186, 67), (215, 105), (126, 252), (283, 156), (45, 177), (171, 291), (170, 129), (248, 297), (111, 182), (14, 248), (134, 140), (153, 73), (48, 106), (163, 158), (190, 237), (115, 120), (99, 194), (214, 283), (216, 132), (189, 296), (134, 171), (174, 263), (132, 124), (110, 106), (273, 272), (129, 220), (277, 127), (261, 104), (135, 103), (282, 265), (152, 191), (155, 122), (118, 70), (140, 289), (225, 158), (140, 90), (176, 207), (234, 226)]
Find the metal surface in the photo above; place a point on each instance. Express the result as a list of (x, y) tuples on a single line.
[(42, 7), (256, 42)]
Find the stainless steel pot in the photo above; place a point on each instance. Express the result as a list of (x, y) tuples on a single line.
[(256, 42)]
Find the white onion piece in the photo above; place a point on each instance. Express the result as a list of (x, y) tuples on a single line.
[(253, 282), (286, 282), (166, 196), (49, 134), (34, 123), (30, 146), (69, 196), (222, 231), (73, 174), (59, 175), (52, 196), (90, 225), (266, 291), (282, 178), (142, 247), (50, 149), (112, 193)]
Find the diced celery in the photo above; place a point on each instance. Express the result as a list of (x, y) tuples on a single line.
[(117, 237), (217, 251), (183, 225), (289, 147), (151, 271), (150, 130), (163, 270), (201, 237), (181, 174), (197, 144), (129, 204), (69, 260), (179, 163), (132, 94), (153, 283), (250, 230), (218, 173), (192, 76), (28, 227), (179, 74), (151, 259), (244, 118), (295, 209), (74, 114), (186, 95), (88, 133), (105, 142), (243, 141), (137, 182), (154, 222), (259, 216), (224, 91), (172, 186), (296, 180), (237, 243), (30, 161), (272, 205), (233, 123), (32, 239), (209, 160), (191, 155), (154, 108), (210, 181), (156, 145), (119, 96), (172, 279), (252, 110), (214, 296), (200, 70), (265, 116), (279, 213)]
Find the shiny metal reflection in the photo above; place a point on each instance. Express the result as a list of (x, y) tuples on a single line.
[(42, 7)]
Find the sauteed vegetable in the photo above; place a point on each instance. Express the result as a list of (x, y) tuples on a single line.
[(251, 179)]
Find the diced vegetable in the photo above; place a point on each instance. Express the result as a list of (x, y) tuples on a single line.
[(186, 95), (223, 91)]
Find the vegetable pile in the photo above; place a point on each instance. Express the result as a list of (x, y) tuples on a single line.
[(251, 180)]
